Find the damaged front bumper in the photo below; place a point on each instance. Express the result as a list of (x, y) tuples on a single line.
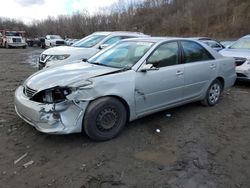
[(59, 118), (243, 73)]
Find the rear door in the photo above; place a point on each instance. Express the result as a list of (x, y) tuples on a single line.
[(163, 86), (199, 67)]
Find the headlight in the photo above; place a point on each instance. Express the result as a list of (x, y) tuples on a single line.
[(58, 57), (53, 95), (9, 40)]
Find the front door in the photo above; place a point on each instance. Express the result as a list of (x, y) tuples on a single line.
[(163, 85)]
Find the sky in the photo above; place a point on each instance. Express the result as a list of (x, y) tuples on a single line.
[(29, 10)]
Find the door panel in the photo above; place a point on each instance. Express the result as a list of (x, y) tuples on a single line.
[(159, 88), (200, 69), (198, 75)]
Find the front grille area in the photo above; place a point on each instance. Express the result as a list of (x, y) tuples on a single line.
[(16, 40), (29, 92), (241, 75), (41, 65), (43, 57), (60, 42), (239, 61)]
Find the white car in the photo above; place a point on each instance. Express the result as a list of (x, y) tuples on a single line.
[(240, 50), (83, 49), (54, 40)]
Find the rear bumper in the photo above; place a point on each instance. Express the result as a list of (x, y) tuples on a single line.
[(61, 118)]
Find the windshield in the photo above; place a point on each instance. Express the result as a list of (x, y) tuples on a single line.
[(14, 34), (55, 37), (123, 55), (211, 43), (89, 41), (243, 43)]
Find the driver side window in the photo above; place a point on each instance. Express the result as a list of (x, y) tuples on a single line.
[(165, 55), (113, 40)]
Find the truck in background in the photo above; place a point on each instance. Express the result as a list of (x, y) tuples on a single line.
[(10, 39)]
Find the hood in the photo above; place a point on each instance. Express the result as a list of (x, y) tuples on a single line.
[(61, 50), (67, 75), (245, 53)]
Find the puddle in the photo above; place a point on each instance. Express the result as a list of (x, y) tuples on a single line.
[(32, 57)]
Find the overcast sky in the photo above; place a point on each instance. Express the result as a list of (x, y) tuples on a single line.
[(28, 10)]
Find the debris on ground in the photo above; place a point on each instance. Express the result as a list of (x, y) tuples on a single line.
[(168, 115), (26, 165), (20, 158)]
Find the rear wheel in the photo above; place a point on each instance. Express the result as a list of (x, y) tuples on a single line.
[(104, 119), (213, 94)]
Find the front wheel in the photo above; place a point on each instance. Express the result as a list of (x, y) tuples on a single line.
[(213, 94), (104, 119)]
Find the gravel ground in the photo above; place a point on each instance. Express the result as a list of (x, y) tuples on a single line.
[(197, 147)]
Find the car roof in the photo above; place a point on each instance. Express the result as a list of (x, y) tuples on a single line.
[(107, 33), (247, 36), (157, 39), (200, 38)]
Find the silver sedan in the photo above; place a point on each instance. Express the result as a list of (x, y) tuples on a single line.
[(129, 80)]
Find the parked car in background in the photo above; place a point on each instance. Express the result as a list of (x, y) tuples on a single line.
[(83, 49), (10, 39), (70, 41), (129, 80), (210, 42), (240, 50), (35, 42), (227, 43), (54, 40)]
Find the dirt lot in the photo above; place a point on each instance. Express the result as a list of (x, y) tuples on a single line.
[(198, 147)]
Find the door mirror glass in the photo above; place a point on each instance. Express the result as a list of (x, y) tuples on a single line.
[(1, 35)]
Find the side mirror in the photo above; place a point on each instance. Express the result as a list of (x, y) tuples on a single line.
[(85, 60), (103, 46), (148, 67)]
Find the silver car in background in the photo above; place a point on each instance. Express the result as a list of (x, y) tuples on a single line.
[(214, 44), (240, 50), (127, 81), (83, 49)]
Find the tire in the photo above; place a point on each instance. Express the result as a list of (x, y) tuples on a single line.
[(104, 119), (6, 45), (213, 94), (24, 47)]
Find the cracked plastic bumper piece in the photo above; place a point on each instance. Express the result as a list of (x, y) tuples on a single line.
[(59, 118)]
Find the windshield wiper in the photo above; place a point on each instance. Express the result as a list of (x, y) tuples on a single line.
[(97, 63)]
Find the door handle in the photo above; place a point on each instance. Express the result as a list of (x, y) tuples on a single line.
[(213, 66), (179, 73)]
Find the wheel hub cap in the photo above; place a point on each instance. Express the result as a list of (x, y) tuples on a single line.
[(214, 93), (107, 119)]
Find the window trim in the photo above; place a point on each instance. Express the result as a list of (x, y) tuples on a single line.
[(183, 52)]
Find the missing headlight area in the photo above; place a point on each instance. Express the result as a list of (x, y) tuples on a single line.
[(53, 95)]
